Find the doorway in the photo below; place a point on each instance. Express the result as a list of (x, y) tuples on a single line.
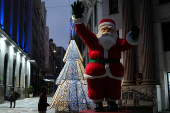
[(26, 85), (5, 73), (14, 78), (20, 67)]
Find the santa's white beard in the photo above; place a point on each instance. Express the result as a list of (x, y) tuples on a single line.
[(107, 39)]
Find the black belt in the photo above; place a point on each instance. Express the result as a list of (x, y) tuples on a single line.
[(102, 61)]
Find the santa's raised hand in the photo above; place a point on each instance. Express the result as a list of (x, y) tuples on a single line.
[(77, 9)]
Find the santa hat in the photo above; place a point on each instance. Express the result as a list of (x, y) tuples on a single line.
[(107, 22)]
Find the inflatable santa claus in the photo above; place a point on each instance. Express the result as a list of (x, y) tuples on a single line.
[(104, 72)]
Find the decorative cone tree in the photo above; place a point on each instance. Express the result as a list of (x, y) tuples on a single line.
[(71, 94)]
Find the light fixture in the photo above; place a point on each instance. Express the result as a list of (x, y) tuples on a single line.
[(54, 51), (12, 45), (46, 80), (56, 67), (14, 55), (4, 38), (2, 27)]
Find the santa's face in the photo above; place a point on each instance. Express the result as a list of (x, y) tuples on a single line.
[(107, 36)]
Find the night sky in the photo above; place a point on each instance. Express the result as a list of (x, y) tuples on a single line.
[(58, 19)]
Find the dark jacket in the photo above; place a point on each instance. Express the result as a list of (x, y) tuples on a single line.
[(42, 104), (12, 95)]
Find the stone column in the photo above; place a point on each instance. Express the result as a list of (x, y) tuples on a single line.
[(128, 56), (147, 43)]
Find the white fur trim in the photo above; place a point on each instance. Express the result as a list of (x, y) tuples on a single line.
[(78, 20), (105, 54), (94, 77), (107, 23), (96, 101), (130, 40), (108, 99), (109, 73)]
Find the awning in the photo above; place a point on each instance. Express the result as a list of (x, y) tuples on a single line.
[(33, 62), (50, 78)]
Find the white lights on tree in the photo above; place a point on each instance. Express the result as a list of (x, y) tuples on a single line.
[(71, 94)]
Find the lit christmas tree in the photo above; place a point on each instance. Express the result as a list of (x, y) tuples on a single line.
[(71, 94)]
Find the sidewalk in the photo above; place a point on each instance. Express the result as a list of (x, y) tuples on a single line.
[(27, 105)]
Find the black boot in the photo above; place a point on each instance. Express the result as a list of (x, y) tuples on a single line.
[(112, 106), (98, 107)]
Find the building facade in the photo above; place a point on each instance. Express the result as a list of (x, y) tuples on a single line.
[(59, 60), (37, 28), (52, 56), (15, 61), (42, 35)]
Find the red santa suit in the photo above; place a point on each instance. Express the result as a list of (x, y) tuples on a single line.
[(103, 79)]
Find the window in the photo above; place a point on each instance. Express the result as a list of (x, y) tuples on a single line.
[(166, 36), (113, 6), (163, 1)]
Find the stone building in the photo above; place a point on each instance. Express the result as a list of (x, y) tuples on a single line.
[(60, 52)]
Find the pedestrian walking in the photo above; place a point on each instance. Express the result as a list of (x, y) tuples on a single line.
[(42, 104), (12, 98)]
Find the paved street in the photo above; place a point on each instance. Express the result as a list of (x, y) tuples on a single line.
[(27, 105)]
